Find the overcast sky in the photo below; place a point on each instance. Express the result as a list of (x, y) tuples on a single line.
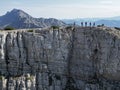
[(63, 9)]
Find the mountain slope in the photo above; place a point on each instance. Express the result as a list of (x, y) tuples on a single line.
[(19, 19)]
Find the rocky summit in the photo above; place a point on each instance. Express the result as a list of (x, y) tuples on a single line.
[(78, 58)]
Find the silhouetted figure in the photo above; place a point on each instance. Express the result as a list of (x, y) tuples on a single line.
[(90, 24), (85, 24), (94, 24), (82, 24), (102, 25), (74, 25)]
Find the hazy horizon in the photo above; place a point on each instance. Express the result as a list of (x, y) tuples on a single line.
[(61, 9)]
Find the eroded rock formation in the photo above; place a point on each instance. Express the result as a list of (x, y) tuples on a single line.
[(66, 59)]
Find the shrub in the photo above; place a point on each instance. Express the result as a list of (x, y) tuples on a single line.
[(117, 28), (55, 27), (1, 77), (102, 25), (8, 28), (30, 78), (30, 30)]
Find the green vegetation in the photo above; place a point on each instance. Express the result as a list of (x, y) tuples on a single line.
[(9, 28), (55, 27), (29, 78), (30, 30), (1, 77)]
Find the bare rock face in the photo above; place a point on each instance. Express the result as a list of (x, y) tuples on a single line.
[(82, 58)]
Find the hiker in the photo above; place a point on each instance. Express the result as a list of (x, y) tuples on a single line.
[(94, 24), (90, 24), (85, 24), (82, 24), (74, 24)]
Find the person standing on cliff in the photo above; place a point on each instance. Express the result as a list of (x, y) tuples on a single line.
[(85, 24), (82, 24), (94, 24), (90, 24)]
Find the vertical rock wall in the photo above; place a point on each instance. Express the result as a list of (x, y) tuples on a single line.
[(34, 61), (66, 59), (95, 61)]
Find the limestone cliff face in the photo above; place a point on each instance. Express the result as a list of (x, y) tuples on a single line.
[(65, 59)]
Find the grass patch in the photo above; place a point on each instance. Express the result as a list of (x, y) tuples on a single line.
[(9, 28), (30, 78), (1, 77), (30, 30), (55, 27)]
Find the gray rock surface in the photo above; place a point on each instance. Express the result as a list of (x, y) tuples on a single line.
[(66, 59)]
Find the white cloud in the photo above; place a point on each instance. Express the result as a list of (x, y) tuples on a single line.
[(72, 11), (15, 3), (106, 2)]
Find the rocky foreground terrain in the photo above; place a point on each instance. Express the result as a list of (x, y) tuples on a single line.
[(80, 58)]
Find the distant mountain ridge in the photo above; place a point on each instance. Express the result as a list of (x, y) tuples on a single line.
[(111, 21), (20, 19)]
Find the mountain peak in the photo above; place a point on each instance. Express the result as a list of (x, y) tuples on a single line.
[(18, 13), (20, 19), (15, 10)]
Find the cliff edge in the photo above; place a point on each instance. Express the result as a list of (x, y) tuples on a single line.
[(80, 58)]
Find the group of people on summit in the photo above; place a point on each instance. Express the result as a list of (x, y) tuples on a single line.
[(86, 24)]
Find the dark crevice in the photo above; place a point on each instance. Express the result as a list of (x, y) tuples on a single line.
[(21, 67), (57, 77), (50, 81), (71, 48), (37, 82), (70, 81), (7, 84), (18, 45), (6, 55), (95, 51), (94, 58), (26, 51), (71, 85), (7, 62)]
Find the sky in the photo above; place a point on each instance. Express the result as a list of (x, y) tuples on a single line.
[(64, 9)]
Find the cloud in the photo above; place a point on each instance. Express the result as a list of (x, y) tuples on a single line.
[(106, 2), (15, 3), (73, 11)]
